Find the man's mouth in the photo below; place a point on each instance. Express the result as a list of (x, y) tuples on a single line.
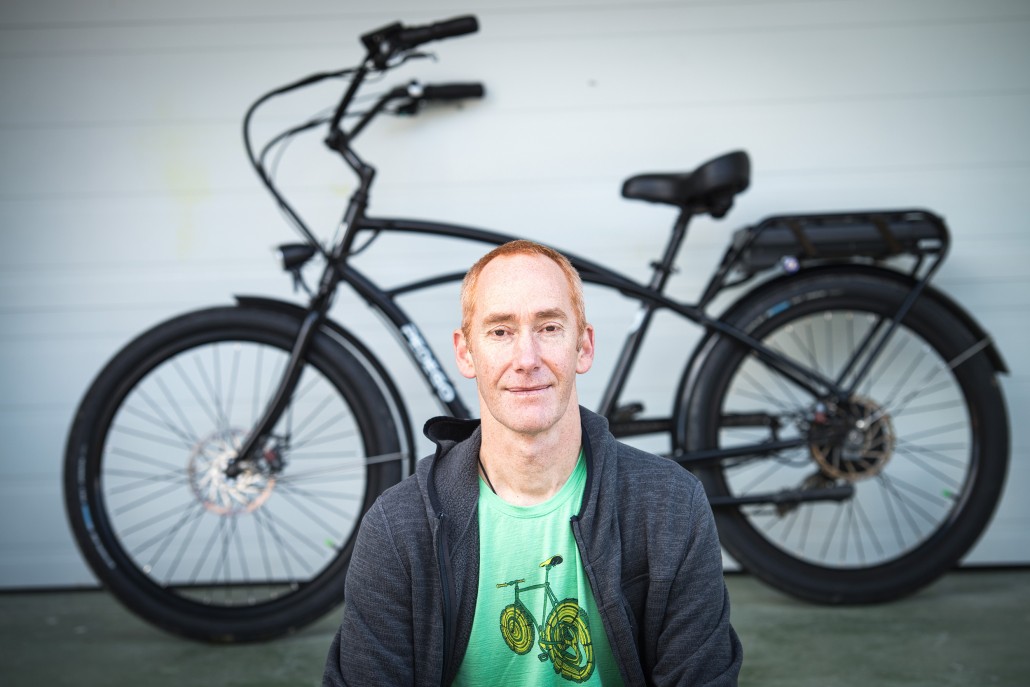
[(527, 390)]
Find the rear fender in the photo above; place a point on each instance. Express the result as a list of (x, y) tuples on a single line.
[(941, 298), (687, 383)]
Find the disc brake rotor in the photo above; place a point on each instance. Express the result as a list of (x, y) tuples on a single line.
[(216, 491)]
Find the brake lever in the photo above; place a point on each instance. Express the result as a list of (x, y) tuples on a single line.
[(408, 109), (400, 58)]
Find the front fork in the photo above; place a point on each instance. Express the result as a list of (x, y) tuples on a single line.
[(288, 383)]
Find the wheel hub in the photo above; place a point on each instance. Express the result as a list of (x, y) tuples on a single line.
[(859, 443), (214, 488)]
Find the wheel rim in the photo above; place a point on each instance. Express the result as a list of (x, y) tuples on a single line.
[(904, 442), (238, 542)]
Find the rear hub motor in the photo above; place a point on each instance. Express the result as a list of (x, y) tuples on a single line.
[(859, 444)]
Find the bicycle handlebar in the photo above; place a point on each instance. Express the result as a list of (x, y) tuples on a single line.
[(388, 47), (452, 91), (394, 38), (449, 28)]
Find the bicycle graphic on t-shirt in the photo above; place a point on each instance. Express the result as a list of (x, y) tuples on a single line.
[(564, 638)]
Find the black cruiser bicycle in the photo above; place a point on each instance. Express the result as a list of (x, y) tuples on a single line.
[(844, 415)]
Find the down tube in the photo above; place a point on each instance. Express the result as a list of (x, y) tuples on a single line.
[(415, 344)]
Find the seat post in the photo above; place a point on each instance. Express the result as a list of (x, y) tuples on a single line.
[(665, 267)]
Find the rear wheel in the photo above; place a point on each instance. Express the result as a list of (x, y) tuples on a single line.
[(923, 441), (568, 641), (170, 531)]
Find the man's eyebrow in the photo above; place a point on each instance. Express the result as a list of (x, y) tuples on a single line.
[(497, 318), (552, 314), (491, 319)]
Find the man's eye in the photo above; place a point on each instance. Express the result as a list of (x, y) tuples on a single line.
[(498, 333)]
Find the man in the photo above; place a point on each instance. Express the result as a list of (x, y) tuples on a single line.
[(534, 548)]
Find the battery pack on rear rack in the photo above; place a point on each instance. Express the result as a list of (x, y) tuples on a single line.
[(877, 235)]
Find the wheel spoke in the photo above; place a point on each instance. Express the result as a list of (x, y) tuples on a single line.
[(172, 402), (161, 419), (321, 441), (322, 499)]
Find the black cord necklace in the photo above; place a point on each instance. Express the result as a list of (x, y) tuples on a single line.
[(486, 476)]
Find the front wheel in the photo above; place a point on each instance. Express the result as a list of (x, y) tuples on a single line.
[(517, 628), (177, 536), (922, 441)]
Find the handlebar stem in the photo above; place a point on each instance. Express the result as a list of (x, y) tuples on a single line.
[(352, 88)]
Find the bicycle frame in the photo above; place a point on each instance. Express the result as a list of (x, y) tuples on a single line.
[(651, 297), (549, 597)]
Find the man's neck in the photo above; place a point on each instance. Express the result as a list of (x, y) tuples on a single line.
[(527, 470)]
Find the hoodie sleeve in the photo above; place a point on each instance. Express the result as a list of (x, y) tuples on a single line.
[(696, 645), (374, 643)]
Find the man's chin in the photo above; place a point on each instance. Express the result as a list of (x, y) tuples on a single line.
[(529, 422)]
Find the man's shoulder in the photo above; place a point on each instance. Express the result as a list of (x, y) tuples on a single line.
[(402, 501), (647, 468), (654, 489)]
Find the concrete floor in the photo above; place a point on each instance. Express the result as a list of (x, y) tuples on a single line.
[(968, 629)]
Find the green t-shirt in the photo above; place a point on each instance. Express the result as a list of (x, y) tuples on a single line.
[(536, 622)]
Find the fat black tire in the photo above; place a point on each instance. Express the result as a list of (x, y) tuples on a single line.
[(927, 472), (185, 547)]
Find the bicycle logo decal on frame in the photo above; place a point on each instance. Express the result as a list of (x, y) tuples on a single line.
[(565, 636), (429, 364)]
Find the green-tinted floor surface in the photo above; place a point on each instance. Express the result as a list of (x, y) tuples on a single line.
[(969, 630)]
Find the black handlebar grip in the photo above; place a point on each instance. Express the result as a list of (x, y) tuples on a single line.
[(459, 26), (453, 91)]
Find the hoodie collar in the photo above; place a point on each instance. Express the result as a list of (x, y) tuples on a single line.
[(448, 433)]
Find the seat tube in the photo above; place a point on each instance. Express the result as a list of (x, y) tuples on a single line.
[(631, 346)]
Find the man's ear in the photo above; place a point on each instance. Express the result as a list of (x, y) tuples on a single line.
[(586, 350), (463, 356)]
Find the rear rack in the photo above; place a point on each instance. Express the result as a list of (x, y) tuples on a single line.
[(876, 235)]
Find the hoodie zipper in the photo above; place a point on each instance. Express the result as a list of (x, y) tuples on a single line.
[(443, 562)]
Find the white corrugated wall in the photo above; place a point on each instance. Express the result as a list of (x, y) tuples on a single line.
[(125, 196)]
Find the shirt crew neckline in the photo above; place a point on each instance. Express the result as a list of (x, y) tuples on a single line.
[(572, 488)]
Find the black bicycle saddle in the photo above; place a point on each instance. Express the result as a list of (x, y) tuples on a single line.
[(708, 189)]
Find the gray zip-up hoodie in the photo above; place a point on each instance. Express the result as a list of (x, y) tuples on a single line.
[(646, 537)]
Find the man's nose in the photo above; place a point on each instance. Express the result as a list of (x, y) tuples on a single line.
[(527, 351)]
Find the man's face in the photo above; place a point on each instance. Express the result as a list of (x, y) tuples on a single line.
[(524, 348)]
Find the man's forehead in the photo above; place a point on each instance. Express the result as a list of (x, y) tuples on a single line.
[(521, 267), (521, 284), (521, 276)]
